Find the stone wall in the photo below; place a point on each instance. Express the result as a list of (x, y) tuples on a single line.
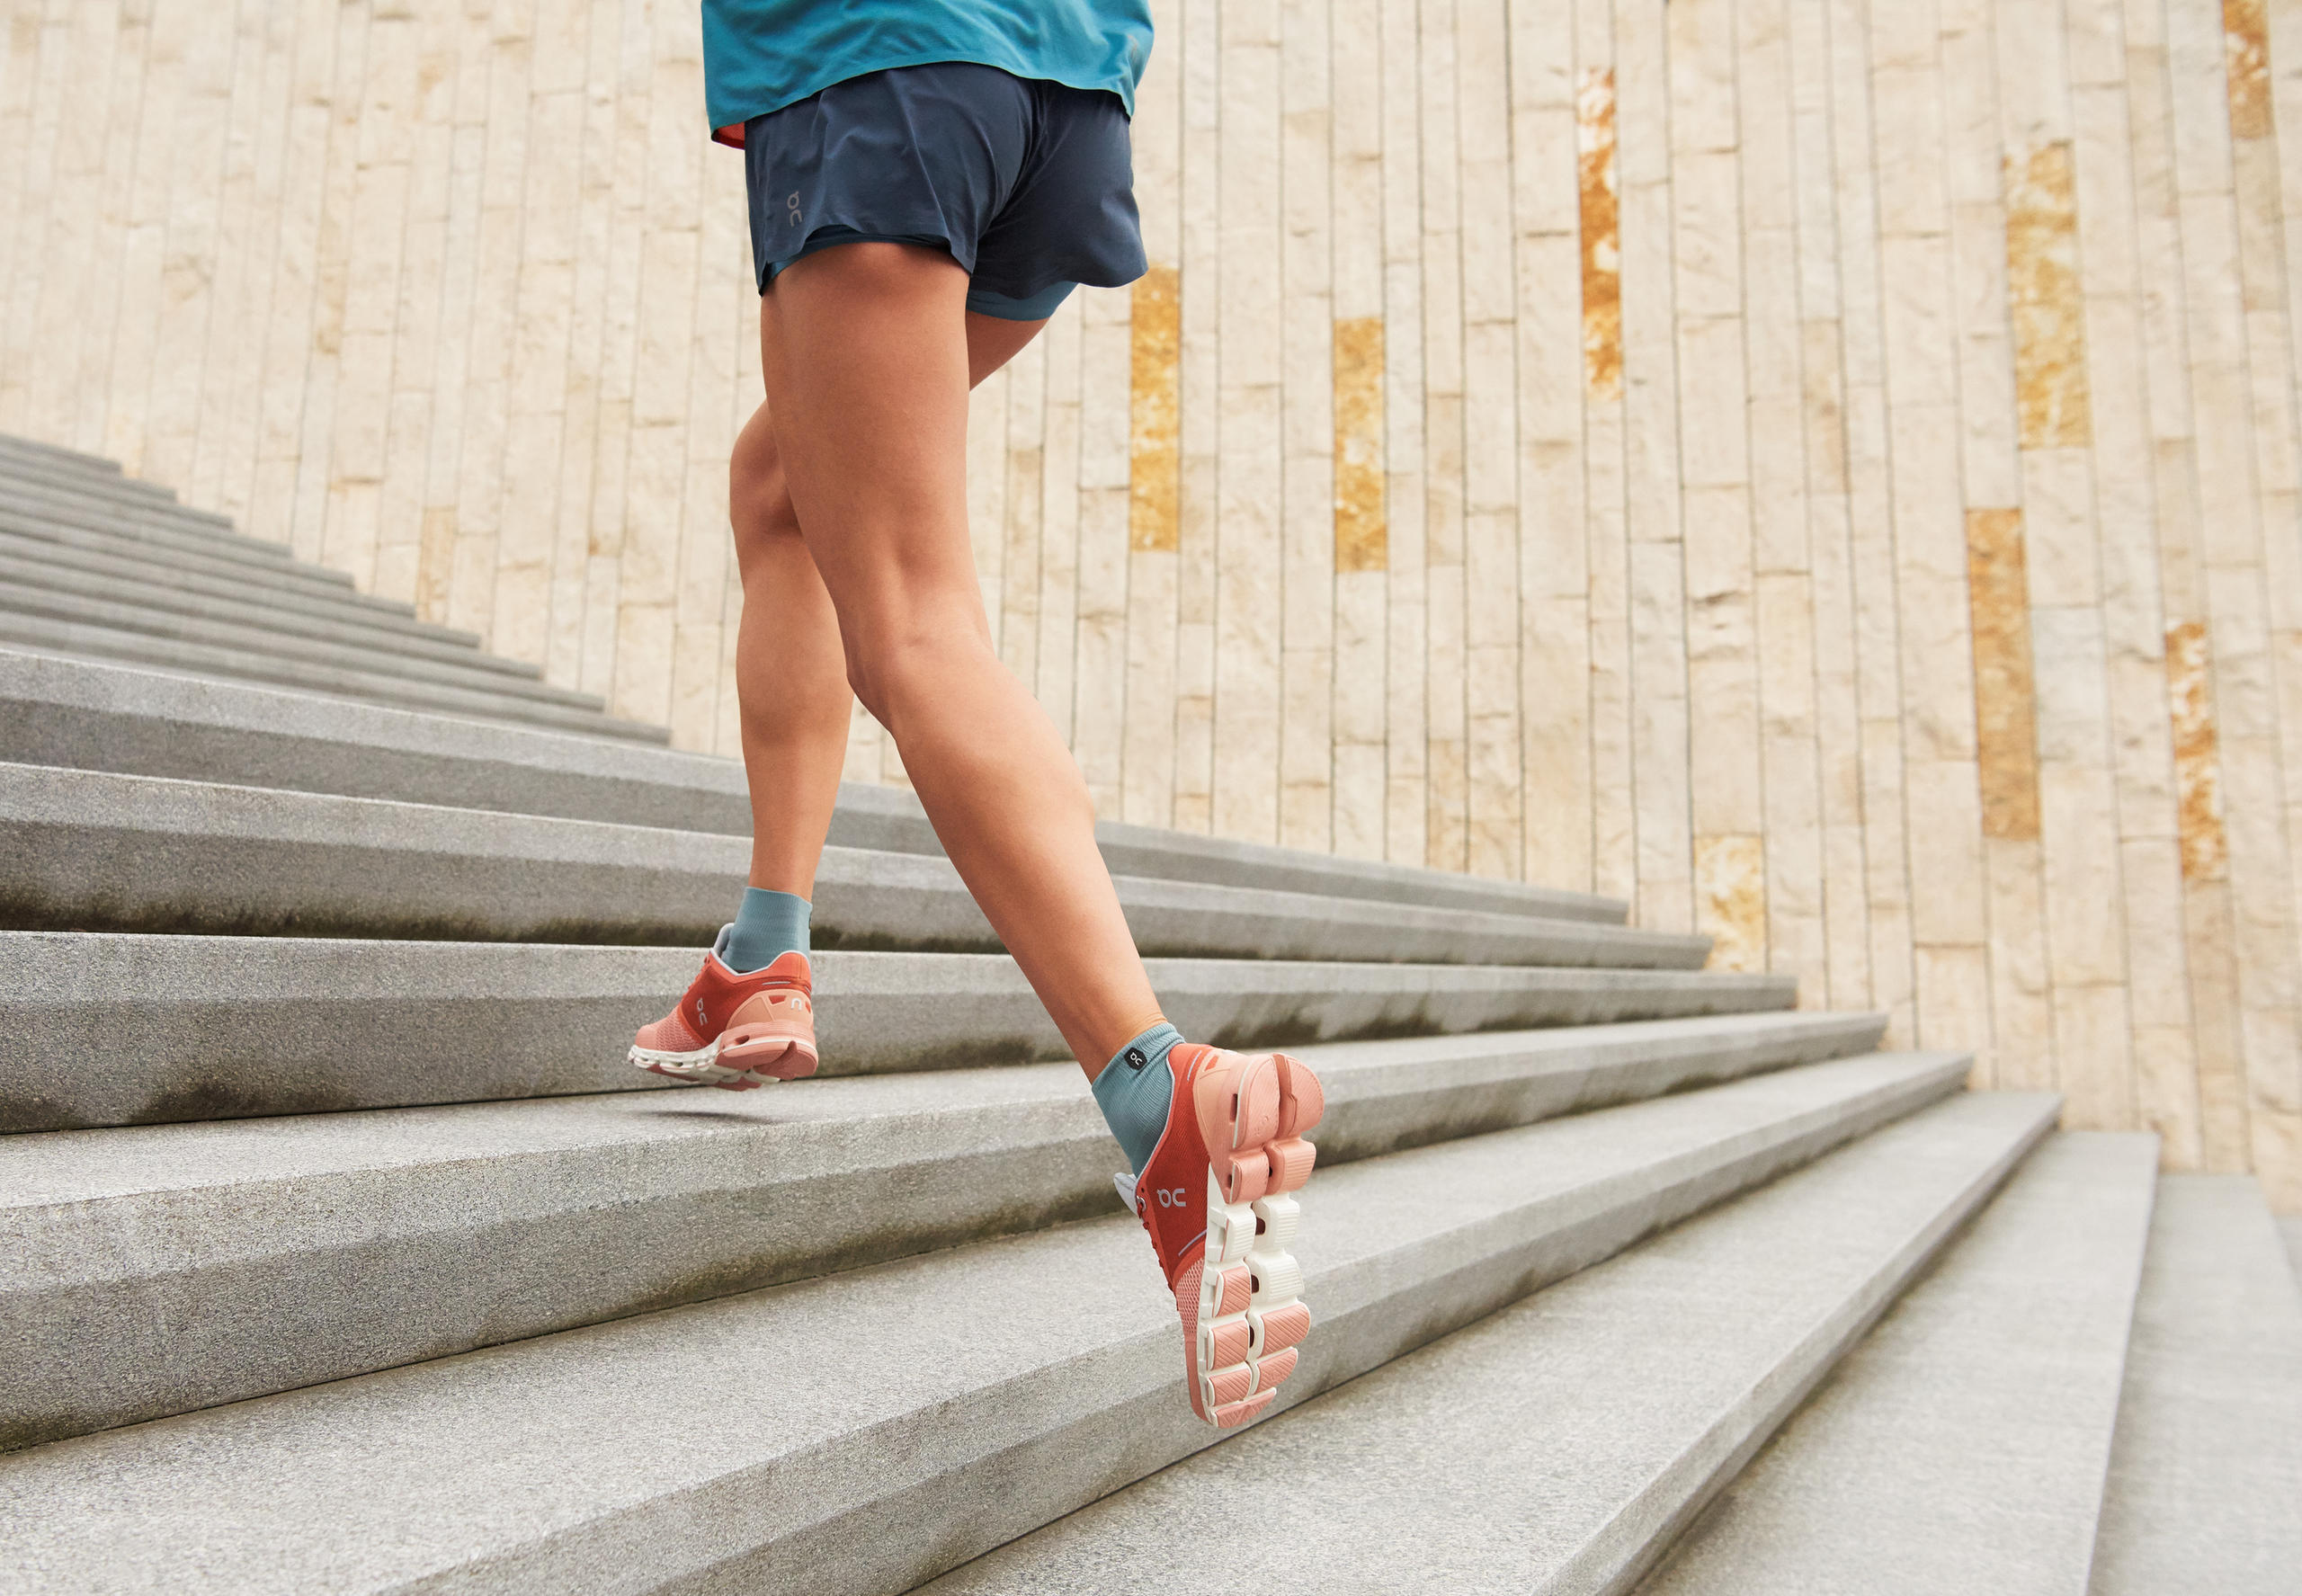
[(1822, 469)]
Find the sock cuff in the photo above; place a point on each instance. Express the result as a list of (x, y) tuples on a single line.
[(1135, 1092)]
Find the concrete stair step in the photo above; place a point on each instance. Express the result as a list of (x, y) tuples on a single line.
[(100, 556), (100, 716), (2205, 1489), (152, 519), (151, 1271), (770, 1441), (195, 557), (323, 683), (93, 488), (90, 850), (2290, 1226), (1962, 1446), (113, 1029), (33, 451), (1559, 1445), (60, 570), (126, 1028), (250, 632)]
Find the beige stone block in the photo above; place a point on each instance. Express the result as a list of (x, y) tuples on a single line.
[(1659, 738), (2150, 871), (1490, 421), (1246, 679), (1779, 480), (1550, 375), (1921, 341), (2021, 1013), (1701, 81), (1944, 815), (1938, 703), (1544, 194), (1730, 899), (2085, 900), (1824, 407), (1953, 1003), (1797, 938), (2094, 35), (2095, 1035), (1908, 131), (1490, 615), (1148, 753), (1556, 689), (1707, 227), (2072, 687), (1359, 800), (1645, 94), (2058, 519), (1970, 124), (1713, 438)]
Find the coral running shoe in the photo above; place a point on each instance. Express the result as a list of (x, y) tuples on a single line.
[(735, 1030), (1214, 1198)]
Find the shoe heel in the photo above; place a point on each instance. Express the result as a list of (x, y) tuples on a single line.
[(1301, 1099)]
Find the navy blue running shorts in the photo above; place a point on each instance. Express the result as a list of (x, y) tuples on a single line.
[(1030, 185)]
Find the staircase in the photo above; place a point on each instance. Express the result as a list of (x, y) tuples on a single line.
[(341, 1251)]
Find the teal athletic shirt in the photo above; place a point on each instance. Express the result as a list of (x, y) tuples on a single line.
[(762, 54)]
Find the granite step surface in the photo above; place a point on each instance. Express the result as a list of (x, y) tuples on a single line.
[(94, 714), (765, 1441), (345, 604), (2205, 1489), (194, 554), (246, 629), (201, 597), (148, 1272), (83, 850), (1962, 1446), (157, 520), (481, 702), (32, 450), (1558, 1446), (117, 1028), (91, 487)]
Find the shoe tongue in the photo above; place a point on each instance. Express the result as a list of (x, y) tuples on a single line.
[(1126, 1184), (719, 943)]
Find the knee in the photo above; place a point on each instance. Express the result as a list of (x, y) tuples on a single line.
[(899, 670), (759, 502)]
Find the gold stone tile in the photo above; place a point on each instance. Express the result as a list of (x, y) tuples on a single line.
[(1730, 899), (1362, 530), (2197, 767), (1154, 411), (1602, 232), (2044, 296), (2246, 44), (2006, 697)]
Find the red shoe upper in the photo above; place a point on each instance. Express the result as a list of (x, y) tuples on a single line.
[(1170, 1193), (709, 1005)]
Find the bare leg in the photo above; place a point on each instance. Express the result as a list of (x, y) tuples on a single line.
[(791, 674), (865, 353)]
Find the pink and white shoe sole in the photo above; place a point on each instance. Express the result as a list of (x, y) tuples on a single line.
[(1250, 1311), (733, 1062)]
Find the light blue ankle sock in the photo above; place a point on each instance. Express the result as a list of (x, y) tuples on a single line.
[(1136, 1091), (768, 926)]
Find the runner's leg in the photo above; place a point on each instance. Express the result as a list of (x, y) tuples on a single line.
[(865, 353), (791, 674)]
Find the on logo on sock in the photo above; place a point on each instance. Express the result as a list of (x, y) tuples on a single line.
[(1136, 1058)]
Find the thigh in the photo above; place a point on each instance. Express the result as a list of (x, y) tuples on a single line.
[(866, 361)]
